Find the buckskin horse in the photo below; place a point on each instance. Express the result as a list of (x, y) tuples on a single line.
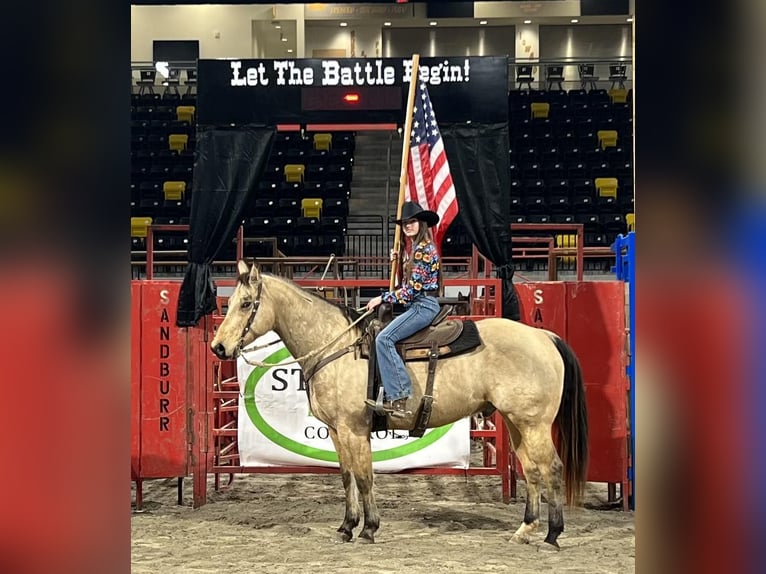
[(529, 375)]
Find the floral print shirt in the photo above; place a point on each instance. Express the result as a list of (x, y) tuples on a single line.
[(424, 275)]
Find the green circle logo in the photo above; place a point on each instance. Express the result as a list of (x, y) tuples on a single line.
[(312, 452)]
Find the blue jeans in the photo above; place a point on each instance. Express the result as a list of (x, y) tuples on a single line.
[(419, 314)]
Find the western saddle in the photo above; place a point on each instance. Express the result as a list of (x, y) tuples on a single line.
[(429, 344)]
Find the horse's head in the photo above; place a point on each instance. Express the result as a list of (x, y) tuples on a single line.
[(247, 318)]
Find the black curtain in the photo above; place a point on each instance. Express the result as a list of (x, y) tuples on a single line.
[(480, 167), (228, 165)]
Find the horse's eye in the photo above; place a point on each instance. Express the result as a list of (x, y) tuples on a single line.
[(246, 304)]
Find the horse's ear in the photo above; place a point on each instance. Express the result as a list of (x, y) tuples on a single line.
[(242, 268), (255, 273)]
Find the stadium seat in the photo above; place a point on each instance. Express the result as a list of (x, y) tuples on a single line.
[(174, 190), (311, 207), (566, 240), (630, 220), (306, 245), (260, 226), (268, 189), (264, 207), (562, 218), (559, 203), (332, 225), (178, 142), (334, 244), (618, 96), (539, 110), (307, 225), (606, 186), (288, 207), (323, 141), (335, 207), (139, 226), (283, 225), (613, 223), (294, 172), (185, 113), (607, 138)]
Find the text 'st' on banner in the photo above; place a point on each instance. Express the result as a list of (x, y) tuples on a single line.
[(276, 427)]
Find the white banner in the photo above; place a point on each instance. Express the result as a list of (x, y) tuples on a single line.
[(276, 427)]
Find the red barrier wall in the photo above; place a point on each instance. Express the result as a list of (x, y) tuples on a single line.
[(164, 384), (544, 305), (597, 332), (590, 316), (135, 380)]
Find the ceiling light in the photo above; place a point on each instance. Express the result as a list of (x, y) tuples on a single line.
[(432, 23), (386, 23), (574, 20), (277, 26), (284, 39), (482, 22), (289, 50), (343, 24), (527, 21), (629, 19)]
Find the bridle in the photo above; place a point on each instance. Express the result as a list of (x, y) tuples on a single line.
[(250, 319), (239, 350)]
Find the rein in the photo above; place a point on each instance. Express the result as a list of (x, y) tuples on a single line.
[(240, 352)]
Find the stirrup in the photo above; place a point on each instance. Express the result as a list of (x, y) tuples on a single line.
[(387, 407), (377, 405)]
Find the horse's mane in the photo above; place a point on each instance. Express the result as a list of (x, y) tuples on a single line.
[(349, 313)]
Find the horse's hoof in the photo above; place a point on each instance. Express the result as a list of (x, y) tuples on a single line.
[(365, 539), (519, 539), (343, 536), (551, 546)]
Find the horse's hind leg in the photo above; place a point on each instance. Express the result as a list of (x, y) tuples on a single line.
[(553, 474), (533, 478), (358, 451), (351, 519), (539, 454)]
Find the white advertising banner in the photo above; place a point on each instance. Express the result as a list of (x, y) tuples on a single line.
[(276, 427)]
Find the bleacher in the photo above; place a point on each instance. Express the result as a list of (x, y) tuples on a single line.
[(302, 199), (571, 162), (162, 146)]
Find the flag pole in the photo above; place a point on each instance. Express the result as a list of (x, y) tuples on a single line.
[(405, 159)]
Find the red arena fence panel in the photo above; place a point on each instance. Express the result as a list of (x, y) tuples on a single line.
[(135, 380), (184, 402), (544, 305), (597, 332), (163, 383)]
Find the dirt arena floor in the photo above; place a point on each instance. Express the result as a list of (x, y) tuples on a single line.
[(278, 524)]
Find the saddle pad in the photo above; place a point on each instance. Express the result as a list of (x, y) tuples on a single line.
[(469, 339)]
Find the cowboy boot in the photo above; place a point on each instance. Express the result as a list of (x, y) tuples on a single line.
[(398, 408)]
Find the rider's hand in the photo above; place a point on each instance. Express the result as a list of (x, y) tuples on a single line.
[(394, 255), (374, 302)]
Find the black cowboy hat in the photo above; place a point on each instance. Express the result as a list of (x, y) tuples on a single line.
[(412, 210)]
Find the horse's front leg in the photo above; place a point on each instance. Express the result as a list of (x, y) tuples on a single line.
[(351, 519), (357, 450)]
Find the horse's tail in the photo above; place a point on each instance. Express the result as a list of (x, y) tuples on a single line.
[(572, 421)]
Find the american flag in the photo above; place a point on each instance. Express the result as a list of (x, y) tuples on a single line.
[(429, 181)]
